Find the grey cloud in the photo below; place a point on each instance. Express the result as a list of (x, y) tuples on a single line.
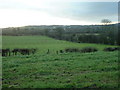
[(92, 11)]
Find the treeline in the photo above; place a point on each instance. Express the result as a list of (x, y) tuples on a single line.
[(103, 34)]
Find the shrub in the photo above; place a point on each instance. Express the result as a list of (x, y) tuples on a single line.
[(111, 49), (72, 50), (86, 49), (89, 49)]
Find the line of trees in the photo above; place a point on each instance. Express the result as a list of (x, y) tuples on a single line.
[(102, 34)]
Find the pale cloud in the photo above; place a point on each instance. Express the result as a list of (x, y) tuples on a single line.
[(12, 18), (53, 12)]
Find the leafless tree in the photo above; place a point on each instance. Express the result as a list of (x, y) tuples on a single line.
[(106, 21)]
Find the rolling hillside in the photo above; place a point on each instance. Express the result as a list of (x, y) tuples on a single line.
[(63, 70)]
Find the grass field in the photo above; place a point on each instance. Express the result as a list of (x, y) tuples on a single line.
[(66, 70)]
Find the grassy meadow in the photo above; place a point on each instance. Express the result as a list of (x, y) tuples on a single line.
[(63, 70)]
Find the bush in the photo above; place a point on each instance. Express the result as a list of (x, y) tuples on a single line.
[(86, 49), (89, 49), (72, 50), (111, 49)]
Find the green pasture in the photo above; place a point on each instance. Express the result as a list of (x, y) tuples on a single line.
[(43, 43), (64, 70)]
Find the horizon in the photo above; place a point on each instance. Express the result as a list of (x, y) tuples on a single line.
[(58, 25)]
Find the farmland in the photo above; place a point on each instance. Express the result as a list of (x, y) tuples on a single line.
[(63, 70)]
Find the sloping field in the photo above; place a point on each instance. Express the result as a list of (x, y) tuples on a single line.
[(43, 43), (64, 70)]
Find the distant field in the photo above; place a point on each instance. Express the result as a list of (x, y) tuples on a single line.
[(42, 42), (66, 70)]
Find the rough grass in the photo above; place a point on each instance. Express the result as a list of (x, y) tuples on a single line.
[(67, 70)]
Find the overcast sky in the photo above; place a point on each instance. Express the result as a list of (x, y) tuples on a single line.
[(56, 12)]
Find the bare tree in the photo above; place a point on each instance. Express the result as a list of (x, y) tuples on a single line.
[(106, 21)]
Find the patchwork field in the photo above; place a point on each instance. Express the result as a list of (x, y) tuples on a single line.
[(63, 70)]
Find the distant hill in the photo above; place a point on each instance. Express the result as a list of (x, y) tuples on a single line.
[(105, 34)]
